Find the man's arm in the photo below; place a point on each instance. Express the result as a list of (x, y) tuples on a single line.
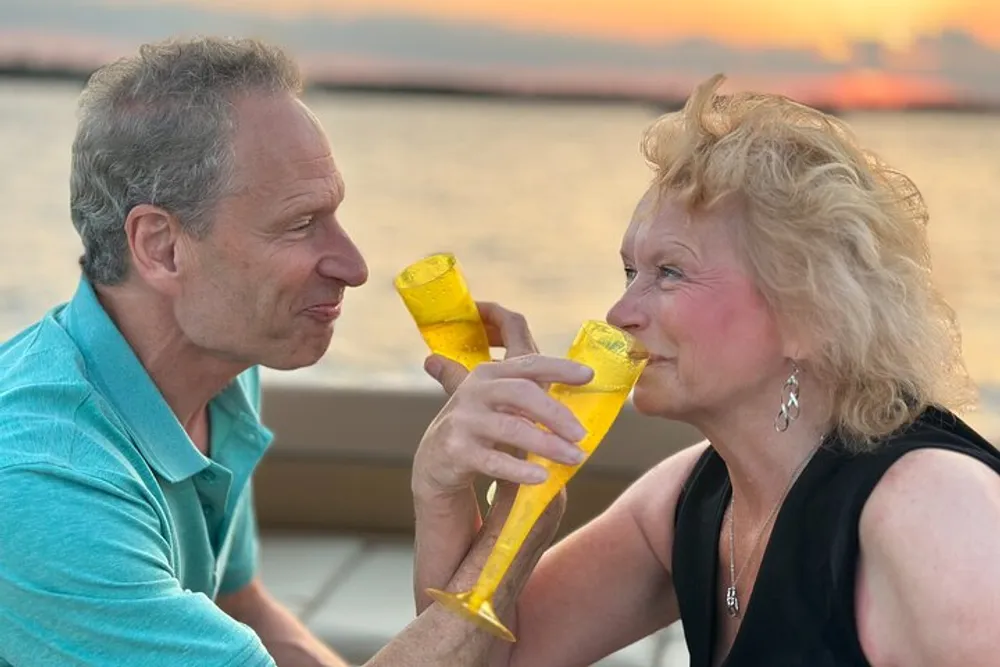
[(930, 541), (287, 640), (244, 597), (439, 637)]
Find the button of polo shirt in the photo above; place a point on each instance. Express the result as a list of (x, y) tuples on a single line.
[(208, 475)]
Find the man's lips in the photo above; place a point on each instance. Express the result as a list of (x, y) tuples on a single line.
[(325, 312)]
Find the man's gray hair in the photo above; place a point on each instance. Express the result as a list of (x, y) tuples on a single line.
[(157, 128)]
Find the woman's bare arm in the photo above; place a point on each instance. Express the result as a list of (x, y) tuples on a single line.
[(929, 594)]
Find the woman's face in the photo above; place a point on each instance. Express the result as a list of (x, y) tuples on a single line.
[(714, 344)]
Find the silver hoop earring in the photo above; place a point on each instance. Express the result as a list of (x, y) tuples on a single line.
[(789, 411)]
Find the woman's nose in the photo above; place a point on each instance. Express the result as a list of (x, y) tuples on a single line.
[(626, 313)]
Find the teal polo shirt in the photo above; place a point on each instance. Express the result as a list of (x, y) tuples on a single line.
[(116, 533)]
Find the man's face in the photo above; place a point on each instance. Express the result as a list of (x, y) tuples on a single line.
[(266, 284)]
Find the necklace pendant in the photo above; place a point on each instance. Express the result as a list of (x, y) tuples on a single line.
[(732, 602)]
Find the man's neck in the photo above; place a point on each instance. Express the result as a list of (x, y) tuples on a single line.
[(187, 376)]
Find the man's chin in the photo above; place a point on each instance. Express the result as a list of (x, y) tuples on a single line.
[(302, 356)]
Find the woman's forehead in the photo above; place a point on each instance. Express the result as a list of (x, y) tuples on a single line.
[(663, 220)]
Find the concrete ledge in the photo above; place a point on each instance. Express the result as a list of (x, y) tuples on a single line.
[(341, 458)]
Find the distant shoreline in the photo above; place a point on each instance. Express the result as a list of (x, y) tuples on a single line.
[(25, 71)]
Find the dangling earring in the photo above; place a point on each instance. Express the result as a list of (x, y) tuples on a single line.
[(789, 411)]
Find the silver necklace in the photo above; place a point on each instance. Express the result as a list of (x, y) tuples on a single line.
[(732, 597)]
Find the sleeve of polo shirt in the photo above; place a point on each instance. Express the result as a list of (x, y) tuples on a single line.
[(243, 557), (86, 579)]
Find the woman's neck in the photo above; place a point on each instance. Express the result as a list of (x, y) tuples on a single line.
[(762, 460)]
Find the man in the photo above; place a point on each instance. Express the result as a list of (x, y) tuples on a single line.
[(206, 198)]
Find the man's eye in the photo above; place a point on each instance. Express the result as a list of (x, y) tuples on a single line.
[(629, 275)]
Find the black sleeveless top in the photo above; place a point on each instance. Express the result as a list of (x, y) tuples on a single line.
[(801, 611)]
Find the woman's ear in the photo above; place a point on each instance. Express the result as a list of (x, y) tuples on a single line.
[(798, 340)]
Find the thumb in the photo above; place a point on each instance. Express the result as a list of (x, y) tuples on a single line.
[(449, 374)]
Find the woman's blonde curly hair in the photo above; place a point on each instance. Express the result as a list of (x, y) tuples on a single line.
[(836, 241)]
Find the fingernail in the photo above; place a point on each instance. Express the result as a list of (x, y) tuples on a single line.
[(579, 432), (576, 456), (538, 475)]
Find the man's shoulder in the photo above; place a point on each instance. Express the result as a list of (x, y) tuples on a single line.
[(50, 411), (86, 440), (41, 353)]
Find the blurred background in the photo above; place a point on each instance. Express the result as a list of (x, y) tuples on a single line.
[(507, 131)]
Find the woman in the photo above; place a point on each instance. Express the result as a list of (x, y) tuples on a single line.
[(838, 513)]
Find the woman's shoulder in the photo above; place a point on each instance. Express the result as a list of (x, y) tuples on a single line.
[(938, 456), (929, 534), (936, 434)]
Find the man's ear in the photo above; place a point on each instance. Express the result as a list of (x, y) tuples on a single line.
[(153, 235)]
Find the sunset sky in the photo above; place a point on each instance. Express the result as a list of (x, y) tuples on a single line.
[(837, 52), (828, 25)]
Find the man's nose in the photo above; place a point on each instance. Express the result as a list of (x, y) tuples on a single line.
[(345, 262)]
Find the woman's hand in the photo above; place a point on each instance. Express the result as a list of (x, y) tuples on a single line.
[(498, 404)]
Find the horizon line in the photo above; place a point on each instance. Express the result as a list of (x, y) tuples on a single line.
[(457, 86)]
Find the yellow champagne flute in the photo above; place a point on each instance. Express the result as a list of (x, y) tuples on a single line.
[(435, 293), (617, 359)]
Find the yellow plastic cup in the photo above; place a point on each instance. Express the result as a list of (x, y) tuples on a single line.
[(435, 293), (617, 359)]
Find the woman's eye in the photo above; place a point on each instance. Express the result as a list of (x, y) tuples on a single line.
[(670, 272)]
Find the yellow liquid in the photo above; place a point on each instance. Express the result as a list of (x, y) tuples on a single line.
[(597, 411), (462, 340)]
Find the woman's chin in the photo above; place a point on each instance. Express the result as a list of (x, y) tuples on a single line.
[(655, 400), (650, 402)]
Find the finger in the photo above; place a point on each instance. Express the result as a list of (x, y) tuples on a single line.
[(448, 373), (507, 329), (530, 402), (520, 433), (540, 368), (504, 467)]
